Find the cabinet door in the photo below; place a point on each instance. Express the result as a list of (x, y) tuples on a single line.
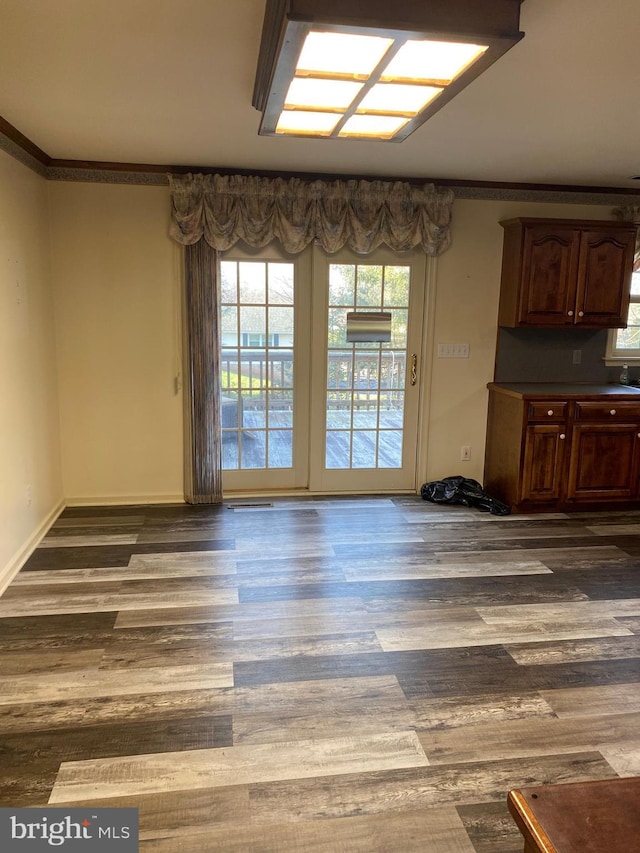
[(604, 462), (604, 278), (549, 271), (543, 456)]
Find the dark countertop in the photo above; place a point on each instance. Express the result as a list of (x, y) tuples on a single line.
[(563, 390)]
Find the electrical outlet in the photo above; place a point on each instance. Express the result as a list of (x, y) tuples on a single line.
[(577, 356), (465, 453)]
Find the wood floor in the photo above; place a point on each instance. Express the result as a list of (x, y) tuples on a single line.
[(355, 674)]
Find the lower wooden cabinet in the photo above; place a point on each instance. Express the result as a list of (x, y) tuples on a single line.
[(543, 461), (549, 453)]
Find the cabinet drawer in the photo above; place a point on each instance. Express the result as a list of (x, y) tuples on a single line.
[(546, 412), (607, 411)]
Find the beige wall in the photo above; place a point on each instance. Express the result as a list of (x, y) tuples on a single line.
[(466, 311), (30, 473), (116, 275)]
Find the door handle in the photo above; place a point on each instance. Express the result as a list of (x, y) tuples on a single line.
[(414, 369)]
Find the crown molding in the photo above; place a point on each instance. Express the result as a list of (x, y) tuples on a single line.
[(14, 143), (18, 146)]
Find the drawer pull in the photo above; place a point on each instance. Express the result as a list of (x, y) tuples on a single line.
[(562, 435), (612, 412), (550, 412), (570, 313), (580, 313)]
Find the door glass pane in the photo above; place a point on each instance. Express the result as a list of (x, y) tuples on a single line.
[(254, 415), (396, 286), (365, 418), (338, 449), (342, 282), (257, 364), (390, 449), (366, 380), (253, 450), (280, 448), (280, 284), (364, 448), (253, 283), (369, 286)]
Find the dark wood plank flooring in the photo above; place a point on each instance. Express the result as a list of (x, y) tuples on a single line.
[(323, 674)]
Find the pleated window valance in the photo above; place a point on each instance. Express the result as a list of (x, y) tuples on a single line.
[(361, 215)]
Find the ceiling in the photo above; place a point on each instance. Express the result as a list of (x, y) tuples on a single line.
[(170, 82)]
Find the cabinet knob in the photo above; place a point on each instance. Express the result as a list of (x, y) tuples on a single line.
[(562, 435), (570, 313), (580, 313), (550, 412), (612, 412)]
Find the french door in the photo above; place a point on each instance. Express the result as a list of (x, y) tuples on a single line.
[(265, 328), (302, 407), (365, 393)]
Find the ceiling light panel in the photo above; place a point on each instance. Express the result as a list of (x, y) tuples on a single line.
[(332, 95), (365, 126), (307, 123), (398, 99), (341, 54), (432, 60), (326, 70)]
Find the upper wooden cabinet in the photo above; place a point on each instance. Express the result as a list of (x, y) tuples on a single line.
[(565, 272)]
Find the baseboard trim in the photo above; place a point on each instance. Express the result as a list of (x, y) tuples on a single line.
[(303, 493), (124, 500), (8, 573)]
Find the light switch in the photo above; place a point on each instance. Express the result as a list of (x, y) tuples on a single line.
[(453, 350)]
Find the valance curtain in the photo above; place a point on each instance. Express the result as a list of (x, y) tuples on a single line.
[(359, 214), (211, 213)]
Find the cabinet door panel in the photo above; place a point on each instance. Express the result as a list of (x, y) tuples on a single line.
[(549, 277), (604, 462), (604, 278), (543, 455)]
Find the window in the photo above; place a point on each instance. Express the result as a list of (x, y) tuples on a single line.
[(623, 345)]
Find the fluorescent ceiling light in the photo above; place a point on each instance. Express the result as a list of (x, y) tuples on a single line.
[(341, 54), (327, 70), (304, 122), (398, 99), (432, 60), (334, 95), (381, 127)]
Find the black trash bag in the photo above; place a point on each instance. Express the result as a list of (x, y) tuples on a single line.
[(460, 490)]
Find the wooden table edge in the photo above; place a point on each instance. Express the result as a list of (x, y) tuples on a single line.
[(528, 825)]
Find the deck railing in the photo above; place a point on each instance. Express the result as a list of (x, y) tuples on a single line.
[(259, 370)]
